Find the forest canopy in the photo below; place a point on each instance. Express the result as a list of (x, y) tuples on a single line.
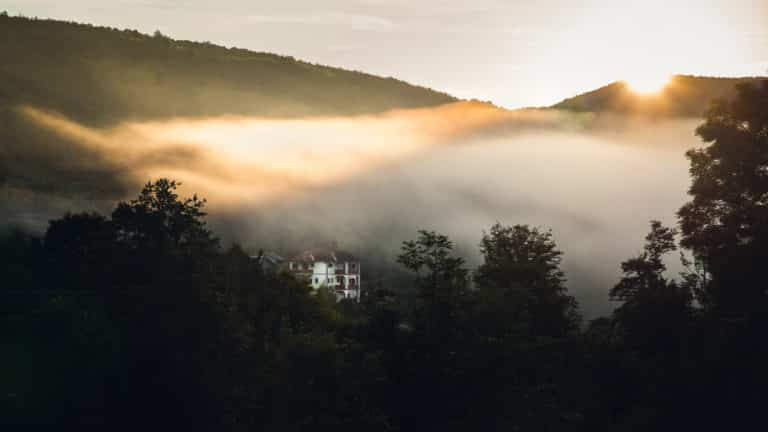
[(142, 319)]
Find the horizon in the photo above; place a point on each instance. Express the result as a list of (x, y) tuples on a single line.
[(410, 47)]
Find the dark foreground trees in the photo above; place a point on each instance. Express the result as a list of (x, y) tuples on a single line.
[(141, 320), (497, 356), (655, 310), (520, 282), (691, 354), (726, 222)]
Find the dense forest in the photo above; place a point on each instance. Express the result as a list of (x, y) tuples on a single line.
[(99, 75), (141, 319)]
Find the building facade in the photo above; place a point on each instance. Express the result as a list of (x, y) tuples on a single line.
[(337, 271)]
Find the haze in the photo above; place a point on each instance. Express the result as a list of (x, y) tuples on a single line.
[(370, 182), (514, 53)]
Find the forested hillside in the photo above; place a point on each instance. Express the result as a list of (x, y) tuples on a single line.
[(98, 75), (684, 96), (140, 319)]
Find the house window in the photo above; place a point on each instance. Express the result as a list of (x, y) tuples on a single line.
[(317, 281), (352, 281)]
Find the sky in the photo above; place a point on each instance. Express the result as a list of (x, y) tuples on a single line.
[(514, 53)]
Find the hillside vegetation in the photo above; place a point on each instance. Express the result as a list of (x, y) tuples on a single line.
[(99, 75), (684, 96)]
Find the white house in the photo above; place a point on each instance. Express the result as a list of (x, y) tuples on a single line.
[(338, 271)]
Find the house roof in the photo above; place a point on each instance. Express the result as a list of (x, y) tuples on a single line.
[(326, 255), (270, 259)]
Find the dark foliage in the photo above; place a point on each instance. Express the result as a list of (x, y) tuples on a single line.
[(141, 320), (521, 281), (726, 222)]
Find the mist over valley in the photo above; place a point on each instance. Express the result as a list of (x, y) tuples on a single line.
[(369, 182)]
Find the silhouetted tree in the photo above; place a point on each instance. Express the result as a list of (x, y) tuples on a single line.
[(21, 259), (80, 249), (159, 220), (442, 280), (522, 284), (655, 310), (726, 222), (433, 363)]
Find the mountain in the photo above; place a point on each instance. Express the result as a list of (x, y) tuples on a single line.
[(100, 75), (683, 96)]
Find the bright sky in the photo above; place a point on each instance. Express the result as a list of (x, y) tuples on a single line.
[(512, 52)]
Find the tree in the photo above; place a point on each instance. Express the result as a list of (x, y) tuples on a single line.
[(159, 219), (726, 222), (521, 281), (442, 281), (437, 343), (645, 272), (20, 260), (654, 308), (80, 248)]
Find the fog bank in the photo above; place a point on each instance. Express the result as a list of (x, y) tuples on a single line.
[(370, 182)]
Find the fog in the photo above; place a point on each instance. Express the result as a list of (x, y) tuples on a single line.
[(367, 183)]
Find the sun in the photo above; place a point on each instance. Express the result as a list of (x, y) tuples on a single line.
[(650, 83)]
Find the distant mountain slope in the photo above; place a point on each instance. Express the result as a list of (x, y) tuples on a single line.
[(684, 96), (99, 75)]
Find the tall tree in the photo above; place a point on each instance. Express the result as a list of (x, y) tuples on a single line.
[(159, 219), (726, 222), (654, 308), (521, 280), (442, 281)]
